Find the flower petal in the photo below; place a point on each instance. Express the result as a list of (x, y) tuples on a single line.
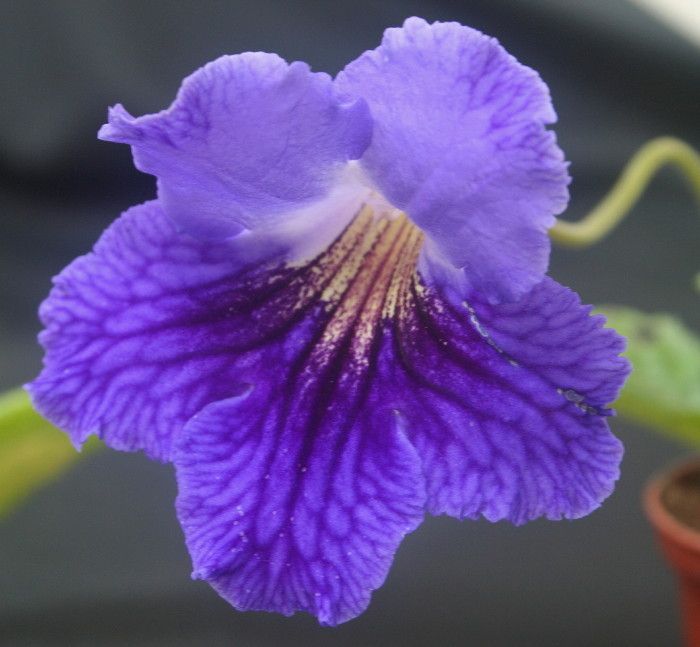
[(295, 498), (295, 494), (143, 332), (460, 145), (248, 139), (505, 404)]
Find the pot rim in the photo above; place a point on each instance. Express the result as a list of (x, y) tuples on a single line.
[(657, 513)]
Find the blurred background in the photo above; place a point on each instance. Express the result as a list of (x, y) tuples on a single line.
[(97, 558)]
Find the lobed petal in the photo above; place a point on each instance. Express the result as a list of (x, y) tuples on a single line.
[(249, 139), (506, 404), (143, 332), (296, 496), (460, 144)]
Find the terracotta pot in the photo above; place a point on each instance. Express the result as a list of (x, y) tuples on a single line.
[(672, 504)]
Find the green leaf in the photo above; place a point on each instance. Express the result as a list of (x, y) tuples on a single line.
[(663, 390), (32, 451)]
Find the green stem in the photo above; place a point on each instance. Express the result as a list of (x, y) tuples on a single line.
[(629, 187)]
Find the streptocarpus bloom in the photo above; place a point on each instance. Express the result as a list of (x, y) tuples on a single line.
[(335, 318)]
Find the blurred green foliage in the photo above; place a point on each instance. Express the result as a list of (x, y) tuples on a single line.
[(663, 390), (32, 450)]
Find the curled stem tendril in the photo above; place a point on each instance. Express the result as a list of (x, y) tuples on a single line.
[(629, 187)]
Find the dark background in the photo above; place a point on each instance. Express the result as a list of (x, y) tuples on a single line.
[(98, 558)]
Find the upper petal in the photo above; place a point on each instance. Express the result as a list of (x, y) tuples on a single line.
[(248, 139), (460, 144)]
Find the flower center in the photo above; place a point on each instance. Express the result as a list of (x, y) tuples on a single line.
[(367, 274)]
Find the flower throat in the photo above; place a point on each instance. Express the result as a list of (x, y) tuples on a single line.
[(367, 276)]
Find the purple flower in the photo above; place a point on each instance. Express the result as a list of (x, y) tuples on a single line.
[(335, 318)]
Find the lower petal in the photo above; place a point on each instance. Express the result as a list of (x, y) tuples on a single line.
[(289, 507), (155, 324), (505, 404)]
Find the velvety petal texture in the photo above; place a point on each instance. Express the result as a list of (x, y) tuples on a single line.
[(130, 354), (248, 139), (506, 404), (460, 145), (295, 498)]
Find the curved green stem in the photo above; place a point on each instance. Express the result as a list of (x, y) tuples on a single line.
[(627, 190)]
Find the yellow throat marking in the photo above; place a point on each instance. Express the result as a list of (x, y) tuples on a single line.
[(366, 277)]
